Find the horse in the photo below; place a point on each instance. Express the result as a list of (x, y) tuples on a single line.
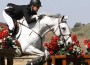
[(31, 36)]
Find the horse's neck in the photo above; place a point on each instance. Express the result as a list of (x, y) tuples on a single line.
[(47, 23), (41, 26)]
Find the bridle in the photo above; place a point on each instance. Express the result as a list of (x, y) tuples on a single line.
[(61, 35), (63, 39)]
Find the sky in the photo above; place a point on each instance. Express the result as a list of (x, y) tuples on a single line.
[(77, 10)]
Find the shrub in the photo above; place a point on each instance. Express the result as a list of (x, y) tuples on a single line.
[(77, 24)]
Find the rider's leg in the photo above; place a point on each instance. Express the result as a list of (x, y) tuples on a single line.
[(10, 23), (8, 20)]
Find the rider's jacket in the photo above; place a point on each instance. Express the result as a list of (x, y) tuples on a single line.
[(18, 11)]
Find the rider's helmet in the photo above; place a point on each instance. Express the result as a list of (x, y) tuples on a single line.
[(35, 2)]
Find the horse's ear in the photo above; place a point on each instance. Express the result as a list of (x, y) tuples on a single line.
[(64, 18)]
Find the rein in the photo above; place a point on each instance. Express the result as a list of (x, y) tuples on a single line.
[(52, 30), (31, 31)]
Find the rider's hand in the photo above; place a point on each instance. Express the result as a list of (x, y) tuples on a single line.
[(40, 17)]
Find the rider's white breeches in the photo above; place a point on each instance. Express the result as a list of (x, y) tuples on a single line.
[(8, 20)]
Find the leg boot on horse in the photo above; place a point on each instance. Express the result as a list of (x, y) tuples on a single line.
[(37, 61)]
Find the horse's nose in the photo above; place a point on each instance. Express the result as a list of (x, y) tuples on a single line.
[(69, 43)]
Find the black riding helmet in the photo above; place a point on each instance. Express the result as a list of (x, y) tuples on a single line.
[(35, 2)]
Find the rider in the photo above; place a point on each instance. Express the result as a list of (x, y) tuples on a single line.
[(15, 12)]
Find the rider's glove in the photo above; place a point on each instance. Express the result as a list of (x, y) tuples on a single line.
[(40, 17)]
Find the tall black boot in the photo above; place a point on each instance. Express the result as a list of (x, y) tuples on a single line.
[(11, 34)]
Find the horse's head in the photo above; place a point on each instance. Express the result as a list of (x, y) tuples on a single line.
[(59, 24), (62, 30)]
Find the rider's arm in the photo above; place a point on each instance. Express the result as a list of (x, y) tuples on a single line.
[(28, 15)]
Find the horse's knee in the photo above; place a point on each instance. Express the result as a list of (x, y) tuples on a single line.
[(23, 50)]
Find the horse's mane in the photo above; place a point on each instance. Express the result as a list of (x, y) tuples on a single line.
[(55, 16)]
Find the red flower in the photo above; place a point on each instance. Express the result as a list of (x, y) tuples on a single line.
[(54, 38), (3, 32), (49, 46), (82, 53), (53, 43), (74, 38), (85, 41), (51, 52), (0, 35), (45, 44), (88, 45), (70, 49)]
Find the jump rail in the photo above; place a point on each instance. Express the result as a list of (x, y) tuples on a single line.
[(53, 58), (10, 54), (64, 59), (7, 52)]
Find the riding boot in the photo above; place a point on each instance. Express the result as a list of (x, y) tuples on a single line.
[(11, 34)]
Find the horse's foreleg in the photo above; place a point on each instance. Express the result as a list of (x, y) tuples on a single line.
[(33, 50), (47, 55), (37, 61)]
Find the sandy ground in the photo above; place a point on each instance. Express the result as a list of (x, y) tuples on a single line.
[(21, 60)]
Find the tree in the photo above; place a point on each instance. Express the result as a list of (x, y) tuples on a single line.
[(77, 24)]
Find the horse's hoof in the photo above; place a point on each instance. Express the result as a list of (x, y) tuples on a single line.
[(29, 63), (38, 61), (18, 52)]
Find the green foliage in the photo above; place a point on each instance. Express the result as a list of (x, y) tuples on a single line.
[(0, 28), (77, 24), (80, 34), (75, 29), (82, 31)]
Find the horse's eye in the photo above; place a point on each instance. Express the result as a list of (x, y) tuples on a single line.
[(64, 28)]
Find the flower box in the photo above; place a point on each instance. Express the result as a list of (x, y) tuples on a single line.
[(63, 59), (7, 52)]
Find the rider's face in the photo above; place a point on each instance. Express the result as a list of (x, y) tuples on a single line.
[(35, 8)]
